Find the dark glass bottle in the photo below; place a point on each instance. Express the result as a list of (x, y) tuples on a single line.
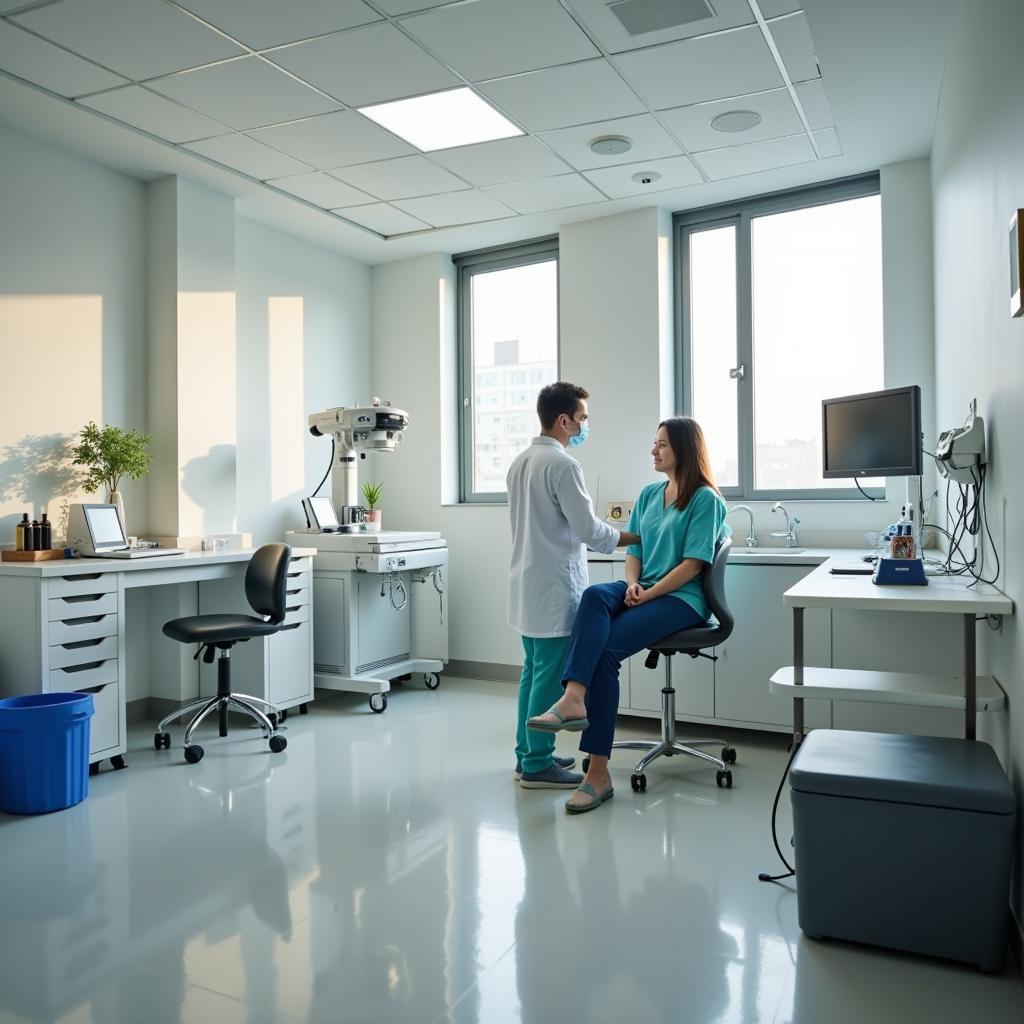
[(20, 531), (45, 533), (32, 536)]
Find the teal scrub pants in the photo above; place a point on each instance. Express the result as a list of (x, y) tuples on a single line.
[(540, 686)]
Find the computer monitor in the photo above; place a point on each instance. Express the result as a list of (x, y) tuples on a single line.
[(320, 512), (877, 434), (104, 527)]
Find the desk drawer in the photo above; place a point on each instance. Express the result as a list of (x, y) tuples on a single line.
[(81, 652), (86, 583), (105, 724), (82, 604), (86, 627), (82, 677), (295, 596), (296, 613)]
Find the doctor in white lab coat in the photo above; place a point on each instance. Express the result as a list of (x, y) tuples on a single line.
[(553, 523)]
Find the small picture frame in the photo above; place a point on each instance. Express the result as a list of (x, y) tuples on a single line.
[(1016, 262)]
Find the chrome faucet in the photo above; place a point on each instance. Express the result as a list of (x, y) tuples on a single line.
[(752, 536), (790, 532)]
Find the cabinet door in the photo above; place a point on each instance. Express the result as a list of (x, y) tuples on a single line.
[(762, 642), (291, 670)]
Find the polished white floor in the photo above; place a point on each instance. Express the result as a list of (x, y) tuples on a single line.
[(387, 868)]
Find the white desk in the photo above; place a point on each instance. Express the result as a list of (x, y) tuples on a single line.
[(63, 625), (949, 595)]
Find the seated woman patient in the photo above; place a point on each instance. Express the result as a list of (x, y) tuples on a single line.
[(680, 522)]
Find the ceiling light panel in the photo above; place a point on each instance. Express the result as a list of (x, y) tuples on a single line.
[(618, 182), (155, 114), (321, 190), (506, 160), (404, 178), (38, 61), (796, 48), (262, 23), (758, 156), (692, 125), (384, 219), (559, 97), (649, 141), (246, 93), (333, 140), (366, 65), (456, 208), (248, 156), (608, 29), (492, 38), (442, 120), (136, 38), (547, 194), (708, 68)]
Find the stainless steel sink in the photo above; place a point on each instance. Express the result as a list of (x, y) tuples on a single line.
[(766, 551)]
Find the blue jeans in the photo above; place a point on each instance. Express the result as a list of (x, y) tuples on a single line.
[(605, 633)]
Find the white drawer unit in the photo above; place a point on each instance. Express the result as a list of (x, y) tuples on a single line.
[(81, 677), (79, 605), (84, 583), (105, 725), (297, 613), (88, 627), (81, 652)]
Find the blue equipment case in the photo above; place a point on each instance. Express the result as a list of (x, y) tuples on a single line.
[(908, 572)]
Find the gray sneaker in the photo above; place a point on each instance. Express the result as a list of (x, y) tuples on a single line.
[(555, 777), (562, 762)]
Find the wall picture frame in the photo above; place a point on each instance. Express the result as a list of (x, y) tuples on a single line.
[(1016, 262)]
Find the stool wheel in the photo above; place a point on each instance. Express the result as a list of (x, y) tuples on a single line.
[(194, 754), (729, 755), (432, 680), (585, 765), (378, 702), (278, 743), (162, 740), (639, 782), (724, 779)]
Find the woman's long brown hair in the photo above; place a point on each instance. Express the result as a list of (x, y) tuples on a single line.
[(693, 466)]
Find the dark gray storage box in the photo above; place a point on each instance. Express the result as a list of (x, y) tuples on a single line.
[(904, 842)]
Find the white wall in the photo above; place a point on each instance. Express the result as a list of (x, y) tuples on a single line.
[(72, 320), (303, 345), (977, 182)]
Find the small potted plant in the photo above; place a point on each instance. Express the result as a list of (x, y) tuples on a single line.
[(108, 454), (371, 492)]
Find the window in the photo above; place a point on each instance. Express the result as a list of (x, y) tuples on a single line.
[(781, 307), (508, 350)]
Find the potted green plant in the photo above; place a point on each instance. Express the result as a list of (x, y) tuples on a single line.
[(109, 454), (371, 492)]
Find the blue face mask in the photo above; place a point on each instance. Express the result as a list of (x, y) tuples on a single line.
[(577, 439)]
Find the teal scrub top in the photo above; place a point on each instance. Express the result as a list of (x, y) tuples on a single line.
[(668, 536)]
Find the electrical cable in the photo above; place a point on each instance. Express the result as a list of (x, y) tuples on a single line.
[(862, 491), (330, 466), (791, 871)]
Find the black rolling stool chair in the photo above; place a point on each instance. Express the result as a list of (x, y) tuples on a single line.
[(265, 582), (694, 642)]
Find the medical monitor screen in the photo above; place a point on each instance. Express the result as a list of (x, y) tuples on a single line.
[(104, 526), (878, 434), (323, 509)]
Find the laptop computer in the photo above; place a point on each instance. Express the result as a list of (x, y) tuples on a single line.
[(108, 539)]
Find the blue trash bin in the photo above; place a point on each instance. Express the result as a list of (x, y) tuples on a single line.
[(44, 751)]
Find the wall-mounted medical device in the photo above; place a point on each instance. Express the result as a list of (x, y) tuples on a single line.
[(960, 452)]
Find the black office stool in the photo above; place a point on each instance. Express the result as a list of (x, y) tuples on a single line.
[(694, 642), (265, 582)]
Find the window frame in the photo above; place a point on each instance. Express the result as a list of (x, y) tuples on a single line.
[(740, 213), (502, 257)]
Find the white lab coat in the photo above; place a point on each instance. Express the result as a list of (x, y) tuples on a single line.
[(553, 523)]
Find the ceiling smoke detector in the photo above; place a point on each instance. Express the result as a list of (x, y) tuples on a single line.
[(610, 145), (736, 121), (646, 177)]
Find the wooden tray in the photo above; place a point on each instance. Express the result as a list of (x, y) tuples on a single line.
[(32, 556)]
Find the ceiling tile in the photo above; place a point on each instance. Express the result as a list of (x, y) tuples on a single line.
[(828, 142), (383, 219), (617, 182), (333, 140), (244, 93), (456, 208), (321, 190), (547, 193), (692, 125), (407, 6), (776, 8), (248, 156), (38, 61), (491, 38), (403, 178), (708, 68), (815, 103), (612, 34), (558, 97), (649, 139), (505, 160), (138, 38), (796, 48), (366, 65), (154, 114), (261, 23), (758, 156)]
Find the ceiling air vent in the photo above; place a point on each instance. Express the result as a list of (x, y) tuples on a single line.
[(640, 16)]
